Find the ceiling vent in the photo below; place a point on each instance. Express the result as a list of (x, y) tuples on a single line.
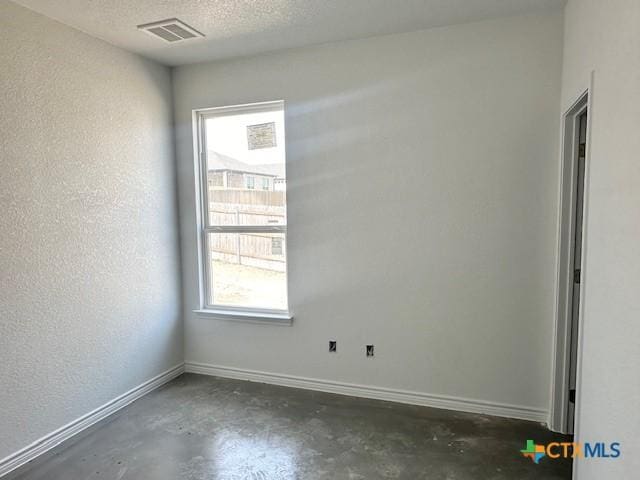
[(171, 30)]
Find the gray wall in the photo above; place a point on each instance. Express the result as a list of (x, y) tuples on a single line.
[(89, 260), (604, 38), (422, 175)]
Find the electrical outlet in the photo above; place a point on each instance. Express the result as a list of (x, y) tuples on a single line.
[(333, 346), (369, 350)]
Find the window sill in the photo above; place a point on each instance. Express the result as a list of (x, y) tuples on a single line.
[(282, 319)]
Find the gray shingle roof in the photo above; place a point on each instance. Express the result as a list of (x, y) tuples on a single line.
[(219, 162)]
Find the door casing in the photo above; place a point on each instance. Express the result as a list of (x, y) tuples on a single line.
[(559, 417)]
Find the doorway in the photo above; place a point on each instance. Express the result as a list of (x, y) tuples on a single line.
[(570, 266)]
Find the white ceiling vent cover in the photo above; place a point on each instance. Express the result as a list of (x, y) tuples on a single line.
[(171, 30)]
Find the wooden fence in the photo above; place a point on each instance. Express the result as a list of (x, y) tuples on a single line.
[(248, 207)]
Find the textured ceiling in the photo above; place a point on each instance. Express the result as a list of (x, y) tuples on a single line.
[(244, 27)]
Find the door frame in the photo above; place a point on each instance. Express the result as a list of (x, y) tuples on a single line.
[(558, 415)]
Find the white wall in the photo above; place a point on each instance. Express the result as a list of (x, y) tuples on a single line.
[(604, 37), (422, 175), (89, 258)]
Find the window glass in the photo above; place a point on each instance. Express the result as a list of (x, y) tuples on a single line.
[(244, 238)]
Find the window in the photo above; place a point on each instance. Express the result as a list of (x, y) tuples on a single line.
[(242, 231)]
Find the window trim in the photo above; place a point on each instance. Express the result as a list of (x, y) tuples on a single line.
[(249, 314)]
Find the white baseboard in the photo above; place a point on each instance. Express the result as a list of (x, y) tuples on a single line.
[(378, 393), (53, 439)]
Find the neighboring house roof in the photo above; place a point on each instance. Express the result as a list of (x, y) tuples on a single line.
[(219, 162)]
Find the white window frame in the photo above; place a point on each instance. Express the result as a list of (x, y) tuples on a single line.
[(205, 308)]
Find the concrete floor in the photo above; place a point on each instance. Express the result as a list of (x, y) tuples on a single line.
[(198, 427)]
